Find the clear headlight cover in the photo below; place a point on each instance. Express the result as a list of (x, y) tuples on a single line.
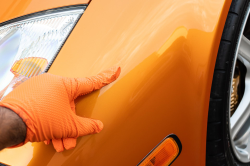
[(29, 46)]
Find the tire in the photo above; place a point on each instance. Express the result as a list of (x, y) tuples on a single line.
[(219, 150)]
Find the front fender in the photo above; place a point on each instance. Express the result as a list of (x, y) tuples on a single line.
[(167, 52)]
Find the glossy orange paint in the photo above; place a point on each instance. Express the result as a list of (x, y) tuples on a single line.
[(167, 52)]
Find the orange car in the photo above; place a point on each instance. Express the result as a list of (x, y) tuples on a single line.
[(185, 74)]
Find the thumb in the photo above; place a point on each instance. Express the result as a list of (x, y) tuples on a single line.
[(88, 126)]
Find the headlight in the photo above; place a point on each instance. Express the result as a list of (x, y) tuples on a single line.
[(28, 46)]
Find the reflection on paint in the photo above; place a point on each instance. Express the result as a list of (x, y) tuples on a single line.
[(22, 159)]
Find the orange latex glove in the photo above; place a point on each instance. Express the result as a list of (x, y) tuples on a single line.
[(46, 105)]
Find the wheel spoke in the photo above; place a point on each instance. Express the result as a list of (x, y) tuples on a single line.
[(243, 145), (248, 146), (244, 49), (241, 115)]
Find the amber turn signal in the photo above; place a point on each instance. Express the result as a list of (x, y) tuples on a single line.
[(29, 67), (164, 153)]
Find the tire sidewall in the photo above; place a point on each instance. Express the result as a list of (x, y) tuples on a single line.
[(229, 152)]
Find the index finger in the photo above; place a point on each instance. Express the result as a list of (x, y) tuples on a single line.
[(82, 86)]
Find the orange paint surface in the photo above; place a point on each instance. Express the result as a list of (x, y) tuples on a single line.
[(167, 52)]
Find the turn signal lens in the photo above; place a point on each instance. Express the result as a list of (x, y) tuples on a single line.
[(29, 67), (164, 154)]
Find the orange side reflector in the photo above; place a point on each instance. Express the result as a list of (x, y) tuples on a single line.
[(164, 154)]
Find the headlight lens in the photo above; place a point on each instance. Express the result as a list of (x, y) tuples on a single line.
[(29, 46)]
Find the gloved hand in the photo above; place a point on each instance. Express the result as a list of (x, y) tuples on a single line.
[(46, 105)]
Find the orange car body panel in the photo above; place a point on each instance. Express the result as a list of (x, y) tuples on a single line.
[(167, 52)]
